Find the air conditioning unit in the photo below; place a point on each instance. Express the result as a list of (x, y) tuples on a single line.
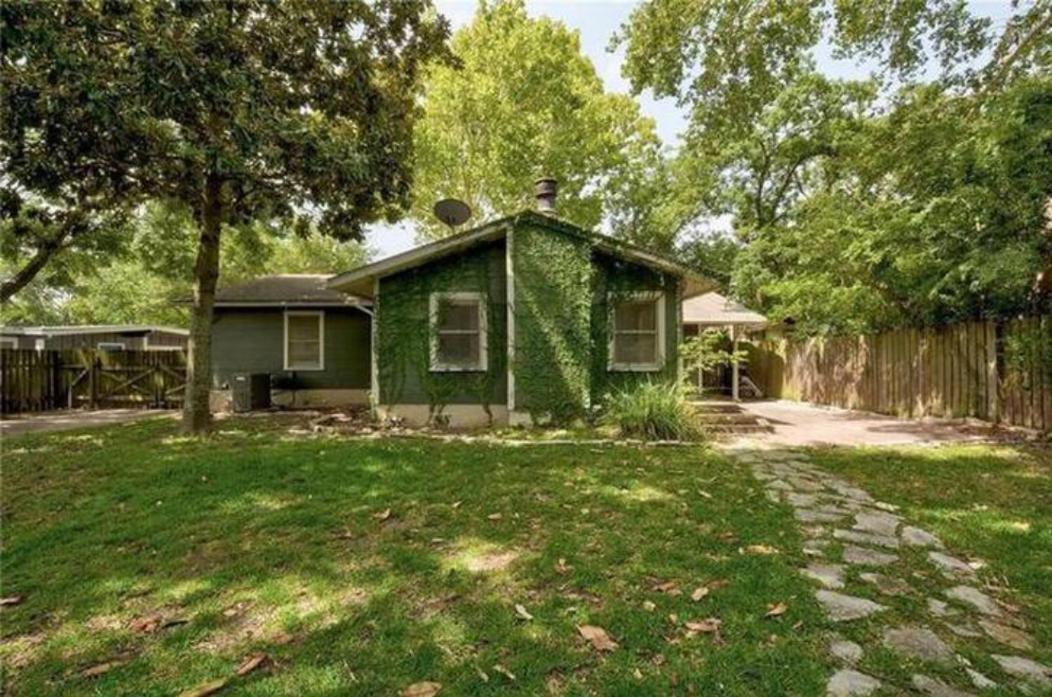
[(250, 391)]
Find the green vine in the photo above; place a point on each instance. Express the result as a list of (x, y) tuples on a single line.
[(553, 275), (1028, 348), (404, 333)]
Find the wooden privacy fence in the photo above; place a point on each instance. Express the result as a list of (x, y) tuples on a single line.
[(995, 371), (33, 380)]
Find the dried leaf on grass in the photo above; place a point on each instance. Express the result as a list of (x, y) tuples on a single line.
[(208, 688), (598, 637), (495, 516), (699, 593), (504, 671), (383, 515), (422, 689), (521, 611), (251, 663), (761, 549), (104, 667), (667, 587), (11, 600), (776, 609), (560, 567)]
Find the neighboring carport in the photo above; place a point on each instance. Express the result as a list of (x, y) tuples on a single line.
[(714, 311)]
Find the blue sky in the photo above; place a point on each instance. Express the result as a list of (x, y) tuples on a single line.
[(597, 21)]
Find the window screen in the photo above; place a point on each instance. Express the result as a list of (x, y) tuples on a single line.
[(459, 332), (304, 337), (636, 333)]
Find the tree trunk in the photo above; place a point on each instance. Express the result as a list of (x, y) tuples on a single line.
[(197, 416), (43, 255)]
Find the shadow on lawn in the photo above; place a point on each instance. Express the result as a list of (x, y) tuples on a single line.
[(263, 541)]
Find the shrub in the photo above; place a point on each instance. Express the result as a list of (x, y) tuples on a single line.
[(652, 411)]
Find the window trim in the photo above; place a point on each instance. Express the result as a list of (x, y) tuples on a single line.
[(483, 331), (8, 343), (111, 346), (659, 298), (320, 314)]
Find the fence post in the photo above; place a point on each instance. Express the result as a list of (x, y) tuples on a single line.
[(93, 395), (993, 380)]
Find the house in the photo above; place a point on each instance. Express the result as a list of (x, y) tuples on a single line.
[(525, 319), (312, 340), (714, 311), (102, 337)]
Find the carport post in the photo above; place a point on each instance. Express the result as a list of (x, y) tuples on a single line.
[(734, 363)]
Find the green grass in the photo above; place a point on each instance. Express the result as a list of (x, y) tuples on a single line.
[(267, 541), (990, 503)]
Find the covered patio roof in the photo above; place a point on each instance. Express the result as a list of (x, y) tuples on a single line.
[(714, 310)]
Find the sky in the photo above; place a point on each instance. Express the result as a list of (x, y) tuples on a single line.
[(597, 21)]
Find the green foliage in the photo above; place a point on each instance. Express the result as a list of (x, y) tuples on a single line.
[(523, 102), (1028, 348), (652, 411), (553, 311), (709, 350), (403, 333)]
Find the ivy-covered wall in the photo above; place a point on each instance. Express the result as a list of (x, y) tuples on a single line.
[(403, 331), (614, 276), (553, 277)]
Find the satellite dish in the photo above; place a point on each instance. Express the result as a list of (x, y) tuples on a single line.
[(452, 212)]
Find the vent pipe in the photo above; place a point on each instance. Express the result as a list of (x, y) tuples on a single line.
[(545, 190)]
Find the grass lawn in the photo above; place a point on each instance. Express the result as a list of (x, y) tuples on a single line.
[(993, 503), (361, 567)]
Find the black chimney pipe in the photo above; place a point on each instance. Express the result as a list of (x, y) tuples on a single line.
[(545, 190)]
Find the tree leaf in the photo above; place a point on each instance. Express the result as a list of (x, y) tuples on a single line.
[(422, 689), (208, 688), (251, 663), (776, 609), (11, 600), (497, 667), (598, 637), (699, 593), (495, 516), (383, 515), (521, 611)]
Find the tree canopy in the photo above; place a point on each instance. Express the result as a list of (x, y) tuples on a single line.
[(522, 102)]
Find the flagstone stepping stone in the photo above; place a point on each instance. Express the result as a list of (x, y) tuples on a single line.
[(980, 680), (937, 688), (844, 608), (865, 538), (1025, 668), (867, 557), (966, 630), (976, 598), (829, 575), (801, 500), (950, 566), (877, 523), (940, 608), (806, 485), (815, 530), (806, 515), (848, 683), (915, 537), (889, 507), (918, 642), (1010, 636), (845, 489), (779, 484), (847, 651), (887, 585), (772, 496)]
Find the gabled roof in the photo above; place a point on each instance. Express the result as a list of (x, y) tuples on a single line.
[(360, 280), (72, 329), (283, 290), (714, 309)]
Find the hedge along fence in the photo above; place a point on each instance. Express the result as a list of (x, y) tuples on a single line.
[(32, 380), (998, 372)]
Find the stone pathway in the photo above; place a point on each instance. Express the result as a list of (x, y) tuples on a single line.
[(859, 545)]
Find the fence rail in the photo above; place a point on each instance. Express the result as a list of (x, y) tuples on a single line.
[(33, 380), (999, 372)]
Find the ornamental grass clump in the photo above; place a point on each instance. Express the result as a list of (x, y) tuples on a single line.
[(652, 411)]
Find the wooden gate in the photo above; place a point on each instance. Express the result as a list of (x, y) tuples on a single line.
[(33, 380)]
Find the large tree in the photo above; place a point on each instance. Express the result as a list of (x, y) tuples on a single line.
[(523, 102), (236, 109)]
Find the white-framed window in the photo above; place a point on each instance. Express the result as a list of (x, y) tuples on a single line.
[(458, 332), (111, 346), (304, 340), (637, 331), (8, 343)]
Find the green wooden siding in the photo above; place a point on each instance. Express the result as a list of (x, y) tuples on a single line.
[(404, 331), (251, 340)]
